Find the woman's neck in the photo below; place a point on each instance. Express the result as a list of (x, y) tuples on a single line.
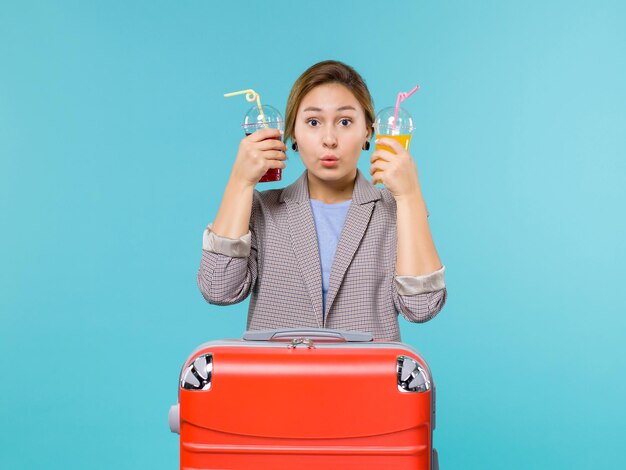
[(331, 192)]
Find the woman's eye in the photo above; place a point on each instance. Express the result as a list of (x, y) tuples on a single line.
[(313, 122), (345, 122)]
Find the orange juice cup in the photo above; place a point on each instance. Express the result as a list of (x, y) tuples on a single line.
[(399, 128)]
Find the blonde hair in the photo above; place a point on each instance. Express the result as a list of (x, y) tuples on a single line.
[(328, 71)]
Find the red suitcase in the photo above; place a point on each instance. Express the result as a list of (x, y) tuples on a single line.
[(312, 398)]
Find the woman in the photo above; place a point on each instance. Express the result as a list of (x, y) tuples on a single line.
[(330, 250)]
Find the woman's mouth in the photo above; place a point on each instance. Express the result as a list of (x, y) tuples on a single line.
[(329, 161)]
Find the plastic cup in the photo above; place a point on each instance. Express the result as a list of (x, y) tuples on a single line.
[(253, 121), (401, 130)]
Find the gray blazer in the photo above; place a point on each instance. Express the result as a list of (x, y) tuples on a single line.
[(278, 262)]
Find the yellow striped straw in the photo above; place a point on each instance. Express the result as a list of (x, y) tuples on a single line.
[(251, 96)]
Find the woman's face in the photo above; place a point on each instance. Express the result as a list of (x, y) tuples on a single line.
[(330, 131)]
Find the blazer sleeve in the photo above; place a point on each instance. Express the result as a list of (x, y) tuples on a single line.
[(228, 268), (420, 298)]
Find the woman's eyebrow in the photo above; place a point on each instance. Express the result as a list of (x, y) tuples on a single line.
[(342, 108)]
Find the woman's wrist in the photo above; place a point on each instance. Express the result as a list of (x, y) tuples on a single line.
[(412, 198), (238, 183)]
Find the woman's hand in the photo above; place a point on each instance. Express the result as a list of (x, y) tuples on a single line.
[(397, 170), (257, 153)]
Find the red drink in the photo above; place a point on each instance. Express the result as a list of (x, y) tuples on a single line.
[(273, 174), (254, 121)]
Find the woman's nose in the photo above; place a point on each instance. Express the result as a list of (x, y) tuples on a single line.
[(330, 139)]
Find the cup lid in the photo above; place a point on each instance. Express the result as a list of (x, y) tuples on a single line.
[(384, 123), (254, 119)]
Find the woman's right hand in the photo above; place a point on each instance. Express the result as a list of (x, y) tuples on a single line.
[(257, 153)]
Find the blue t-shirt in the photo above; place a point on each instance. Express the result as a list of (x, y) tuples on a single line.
[(329, 220)]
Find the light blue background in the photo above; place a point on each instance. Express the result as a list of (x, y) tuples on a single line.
[(115, 146)]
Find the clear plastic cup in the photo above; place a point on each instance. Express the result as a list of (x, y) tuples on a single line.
[(401, 131), (253, 121)]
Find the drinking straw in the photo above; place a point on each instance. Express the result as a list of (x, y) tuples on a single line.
[(401, 97), (251, 95)]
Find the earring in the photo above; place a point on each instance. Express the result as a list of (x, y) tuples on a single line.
[(294, 147), (367, 145)]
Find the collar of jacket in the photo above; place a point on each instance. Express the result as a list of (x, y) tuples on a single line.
[(363, 192), (304, 239)]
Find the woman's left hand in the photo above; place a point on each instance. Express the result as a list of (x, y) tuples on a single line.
[(397, 171)]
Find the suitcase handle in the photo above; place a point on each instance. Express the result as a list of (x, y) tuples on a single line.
[(317, 334)]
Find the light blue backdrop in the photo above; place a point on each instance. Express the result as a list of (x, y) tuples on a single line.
[(115, 146)]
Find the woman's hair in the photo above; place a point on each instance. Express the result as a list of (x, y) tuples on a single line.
[(328, 71)]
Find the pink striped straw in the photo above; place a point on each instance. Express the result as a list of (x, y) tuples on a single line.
[(401, 97)]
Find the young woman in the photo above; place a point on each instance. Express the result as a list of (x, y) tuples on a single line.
[(331, 250)]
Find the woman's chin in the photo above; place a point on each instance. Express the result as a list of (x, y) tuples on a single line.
[(332, 174)]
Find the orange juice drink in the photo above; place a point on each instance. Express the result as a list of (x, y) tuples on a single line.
[(393, 124), (404, 139)]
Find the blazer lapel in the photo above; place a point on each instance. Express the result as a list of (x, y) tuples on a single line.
[(304, 240), (364, 199), (304, 237)]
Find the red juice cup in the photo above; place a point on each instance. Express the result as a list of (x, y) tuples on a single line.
[(254, 121)]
